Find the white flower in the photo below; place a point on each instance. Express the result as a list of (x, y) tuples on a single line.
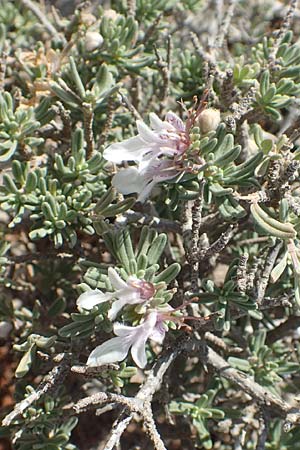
[(143, 178), (127, 293), (155, 151), (167, 138), (134, 338)]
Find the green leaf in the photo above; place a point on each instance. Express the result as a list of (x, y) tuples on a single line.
[(270, 225), (169, 274), (26, 362), (279, 268), (264, 82), (76, 78), (240, 364), (156, 249)]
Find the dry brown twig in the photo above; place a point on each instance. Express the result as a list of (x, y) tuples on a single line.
[(130, 107), (140, 404), (264, 278), (50, 383), (273, 405), (193, 253)]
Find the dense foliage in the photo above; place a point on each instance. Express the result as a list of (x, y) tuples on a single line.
[(150, 225)]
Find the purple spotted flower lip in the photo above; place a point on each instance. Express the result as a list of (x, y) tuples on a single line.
[(155, 150), (131, 292), (129, 338)]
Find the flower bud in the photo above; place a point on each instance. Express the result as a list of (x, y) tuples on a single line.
[(93, 40), (209, 120)]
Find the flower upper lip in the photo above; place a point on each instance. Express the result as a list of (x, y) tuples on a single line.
[(167, 138)]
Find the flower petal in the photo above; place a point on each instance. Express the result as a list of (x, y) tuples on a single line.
[(128, 181), (115, 279), (131, 149), (89, 299), (130, 294), (159, 332), (124, 330), (174, 120), (157, 124), (146, 134), (115, 308), (138, 351), (111, 351), (146, 191), (156, 172), (130, 297), (150, 323)]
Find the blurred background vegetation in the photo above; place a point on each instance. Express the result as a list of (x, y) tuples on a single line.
[(74, 78)]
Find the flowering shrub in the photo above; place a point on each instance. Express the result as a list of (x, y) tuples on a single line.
[(150, 205)]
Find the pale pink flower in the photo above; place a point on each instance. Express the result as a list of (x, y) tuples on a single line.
[(166, 138), (155, 151), (134, 338), (131, 292)]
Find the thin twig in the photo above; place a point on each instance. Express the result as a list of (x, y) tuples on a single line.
[(66, 119), (241, 273), (283, 330), (118, 428), (241, 109), (264, 278), (152, 221), (150, 427), (263, 430), (95, 400), (88, 117), (163, 67), (193, 256), (131, 6), (255, 240), (223, 30), (3, 64), (215, 248), (19, 259), (51, 382), (152, 28), (204, 324), (88, 371), (108, 121), (42, 17), (219, 342), (244, 382), (145, 394), (279, 34), (130, 107)]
